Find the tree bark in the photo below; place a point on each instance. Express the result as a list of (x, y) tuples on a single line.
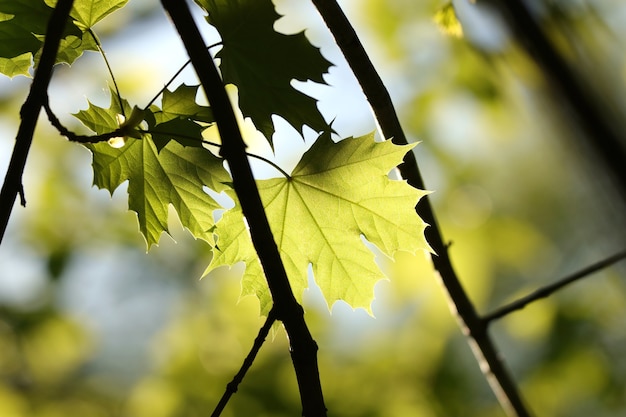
[(29, 113), (303, 347)]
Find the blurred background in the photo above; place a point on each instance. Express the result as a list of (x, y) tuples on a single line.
[(92, 326)]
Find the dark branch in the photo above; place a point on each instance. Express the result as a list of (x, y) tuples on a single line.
[(73, 137), (303, 347), (233, 386), (29, 113), (484, 350), (552, 288)]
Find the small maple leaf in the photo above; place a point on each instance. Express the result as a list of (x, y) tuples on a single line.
[(174, 175)]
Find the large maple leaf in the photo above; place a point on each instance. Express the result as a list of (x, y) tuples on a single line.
[(337, 193), (174, 175), (262, 63)]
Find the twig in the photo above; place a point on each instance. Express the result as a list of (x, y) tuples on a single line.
[(484, 350), (303, 347), (550, 289), (29, 113), (232, 386), (176, 74), (108, 65), (73, 137)]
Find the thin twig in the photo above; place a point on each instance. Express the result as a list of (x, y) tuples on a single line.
[(374, 89), (302, 346), (73, 137), (108, 65), (29, 113), (552, 288), (176, 74), (232, 387)]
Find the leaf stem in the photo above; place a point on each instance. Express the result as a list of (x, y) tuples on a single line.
[(270, 162), (217, 145), (29, 113), (108, 65), (552, 288)]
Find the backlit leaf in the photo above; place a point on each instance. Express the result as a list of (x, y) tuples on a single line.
[(174, 175), (86, 13), (179, 117), (336, 194), (23, 26)]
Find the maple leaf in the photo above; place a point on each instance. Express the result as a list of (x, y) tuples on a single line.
[(23, 26), (174, 175), (178, 118), (19, 21), (86, 13), (181, 103), (337, 193), (262, 63)]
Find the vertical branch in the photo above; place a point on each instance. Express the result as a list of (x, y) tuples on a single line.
[(303, 347), (472, 325), (29, 113)]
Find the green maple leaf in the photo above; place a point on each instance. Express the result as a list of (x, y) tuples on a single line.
[(262, 63), (20, 21), (71, 47), (18, 65), (181, 103), (23, 25), (178, 118), (86, 13), (337, 193), (174, 175)]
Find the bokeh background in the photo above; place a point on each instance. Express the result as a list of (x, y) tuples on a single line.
[(92, 326)]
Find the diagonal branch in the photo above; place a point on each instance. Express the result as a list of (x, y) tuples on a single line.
[(472, 325), (303, 347), (233, 385), (552, 288), (29, 113)]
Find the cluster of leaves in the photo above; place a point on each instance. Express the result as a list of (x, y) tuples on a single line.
[(339, 192), (23, 26)]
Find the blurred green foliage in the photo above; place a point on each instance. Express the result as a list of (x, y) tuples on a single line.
[(91, 326)]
